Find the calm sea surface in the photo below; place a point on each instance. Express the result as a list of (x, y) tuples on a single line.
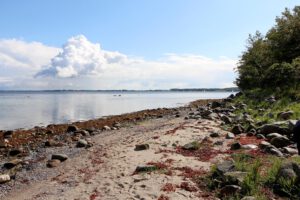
[(29, 109)]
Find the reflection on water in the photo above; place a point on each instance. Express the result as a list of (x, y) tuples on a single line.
[(28, 109)]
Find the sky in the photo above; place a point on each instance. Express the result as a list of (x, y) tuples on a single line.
[(132, 44)]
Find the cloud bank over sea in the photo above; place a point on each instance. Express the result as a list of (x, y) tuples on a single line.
[(82, 64)]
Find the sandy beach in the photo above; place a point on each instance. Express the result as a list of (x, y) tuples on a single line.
[(108, 168)]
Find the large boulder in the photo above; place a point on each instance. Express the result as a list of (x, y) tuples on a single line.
[(280, 141), (281, 127)]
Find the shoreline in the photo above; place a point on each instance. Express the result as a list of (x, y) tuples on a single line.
[(94, 124), (104, 137)]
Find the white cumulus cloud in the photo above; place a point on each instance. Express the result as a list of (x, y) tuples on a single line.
[(81, 64)]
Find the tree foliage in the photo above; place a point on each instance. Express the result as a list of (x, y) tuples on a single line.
[(273, 61)]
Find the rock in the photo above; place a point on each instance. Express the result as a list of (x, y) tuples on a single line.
[(53, 163), (4, 178), (237, 129), (141, 147), (226, 119), (191, 146), (230, 136), (83, 132), (273, 135), (248, 198), (224, 167), (215, 104), (218, 143), (274, 151), (72, 128), (286, 115), (249, 146), (51, 143), (230, 190), (264, 145), (235, 146), (147, 168), (290, 171), (12, 163), (280, 141), (106, 128), (8, 134), (235, 177), (61, 157), (81, 143), (15, 152), (290, 151), (3, 144), (214, 134), (260, 136), (282, 128)]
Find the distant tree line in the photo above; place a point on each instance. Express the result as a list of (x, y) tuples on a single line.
[(272, 62)]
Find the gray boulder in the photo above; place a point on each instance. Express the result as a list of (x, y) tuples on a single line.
[(225, 166), (280, 141)]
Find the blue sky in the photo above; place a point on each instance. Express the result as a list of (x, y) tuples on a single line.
[(150, 30)]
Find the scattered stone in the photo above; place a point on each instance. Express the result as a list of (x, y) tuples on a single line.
[(51, 143), (15, 152), (249, 146), (4, 178), (147, 168), (237, 129), (218, 143), (216, 104), (273, 135), (72, 128), (235, 146), (276, 127), (12, 163), (230, 136), (280, 141), (290, 151), (81, 143), (225, 166), (286, 115), (141, 147), (235, 177), (106, 128), (191, 146), (274, 151), (264, 145), (61, 157), (8, 134), (226, 119), (214, 134), (290, 171), (230, 190), (83, 132), (260, 136), (53, 163)]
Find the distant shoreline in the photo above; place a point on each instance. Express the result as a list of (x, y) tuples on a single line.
[(233, 89)]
